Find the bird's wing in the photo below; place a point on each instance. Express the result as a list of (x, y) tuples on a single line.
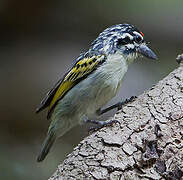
[(80, 70)]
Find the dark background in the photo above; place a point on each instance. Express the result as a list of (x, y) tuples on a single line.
[(38, 42)]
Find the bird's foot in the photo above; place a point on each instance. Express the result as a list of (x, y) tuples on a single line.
[(101, 124), (117, 105), (131, 99)]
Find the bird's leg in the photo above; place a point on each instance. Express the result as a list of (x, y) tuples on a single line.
[(117, 105), (101, 124), (109, 122)]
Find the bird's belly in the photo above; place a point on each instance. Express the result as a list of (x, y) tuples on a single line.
[(98, 91), (106, 92)]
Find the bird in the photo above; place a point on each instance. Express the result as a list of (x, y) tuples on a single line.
[(92, 81)]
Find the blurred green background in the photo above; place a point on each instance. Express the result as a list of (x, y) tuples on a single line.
[(38, 42)]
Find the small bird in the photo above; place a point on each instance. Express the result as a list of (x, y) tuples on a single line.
[(93, 80)]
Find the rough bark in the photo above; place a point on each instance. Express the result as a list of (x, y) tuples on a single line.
[(146, 144)]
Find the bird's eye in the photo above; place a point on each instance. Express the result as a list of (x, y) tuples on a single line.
[(138, 39), (123, 41)]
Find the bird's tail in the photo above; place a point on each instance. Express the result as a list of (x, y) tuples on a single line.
[(58, 128), (47, 144)]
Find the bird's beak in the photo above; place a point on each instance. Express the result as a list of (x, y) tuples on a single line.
[(147, 52)]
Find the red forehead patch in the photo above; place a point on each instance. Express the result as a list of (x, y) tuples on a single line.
[(142, 34)]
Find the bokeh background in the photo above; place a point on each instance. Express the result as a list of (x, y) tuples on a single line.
[(38, 42)]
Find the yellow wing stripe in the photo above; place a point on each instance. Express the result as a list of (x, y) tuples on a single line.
[(80, 69), (61, 90)]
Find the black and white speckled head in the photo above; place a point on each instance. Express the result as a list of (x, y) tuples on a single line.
[(124, 39)]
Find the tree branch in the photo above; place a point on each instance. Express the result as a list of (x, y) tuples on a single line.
[(147, 144)]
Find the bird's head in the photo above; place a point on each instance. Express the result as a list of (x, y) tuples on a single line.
[(124, 39)]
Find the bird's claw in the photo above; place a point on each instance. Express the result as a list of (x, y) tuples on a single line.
[(131, 99), (102, 124)]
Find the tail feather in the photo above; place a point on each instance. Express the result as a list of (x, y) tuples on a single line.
[(58, 128), (47, 144)]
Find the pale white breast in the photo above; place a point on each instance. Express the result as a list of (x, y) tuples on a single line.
[(105, 82), (112, 73)]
